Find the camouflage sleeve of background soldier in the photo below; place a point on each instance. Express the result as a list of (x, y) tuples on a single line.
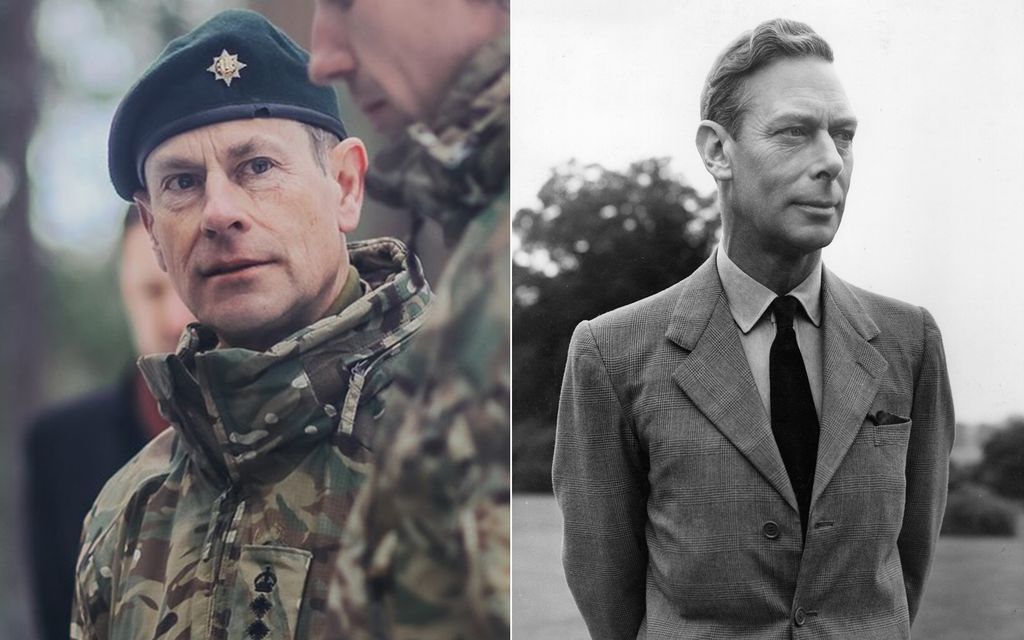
[(91, 610), (98, 556), (427, 547)]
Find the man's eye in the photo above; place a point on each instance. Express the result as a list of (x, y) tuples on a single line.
[(181, 182), (794, 132), (259, 165), (844, 136)]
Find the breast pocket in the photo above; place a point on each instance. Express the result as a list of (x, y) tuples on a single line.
[(892, 434), (268, 593)]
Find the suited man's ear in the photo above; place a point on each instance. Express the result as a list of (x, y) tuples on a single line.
[(712, 140)]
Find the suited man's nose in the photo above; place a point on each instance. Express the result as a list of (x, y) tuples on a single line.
[(828, 163)]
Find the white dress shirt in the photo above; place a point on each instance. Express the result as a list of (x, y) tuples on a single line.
[(749, 301)]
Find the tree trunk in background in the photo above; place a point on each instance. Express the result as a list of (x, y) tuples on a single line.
[(296, 19), (21, 315)]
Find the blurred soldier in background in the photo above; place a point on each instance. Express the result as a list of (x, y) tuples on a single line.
[(74, 449), (228, 525), (427, 548)]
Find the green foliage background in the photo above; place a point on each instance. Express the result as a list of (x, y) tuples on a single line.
[(1002, 467), (599, 240)]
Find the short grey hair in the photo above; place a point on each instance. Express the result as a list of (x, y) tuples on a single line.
[(721, 100), (321, 141)]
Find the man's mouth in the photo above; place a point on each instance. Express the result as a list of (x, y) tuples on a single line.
[(819, 205), (231, 267)]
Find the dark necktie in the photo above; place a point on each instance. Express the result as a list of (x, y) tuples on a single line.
[(794, 420)]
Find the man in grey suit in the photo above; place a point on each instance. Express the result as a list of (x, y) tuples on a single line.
[(761, 450)]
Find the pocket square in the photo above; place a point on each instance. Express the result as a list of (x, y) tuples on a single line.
[(883, 417)]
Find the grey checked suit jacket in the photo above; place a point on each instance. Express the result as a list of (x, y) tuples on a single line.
[(680, 521)]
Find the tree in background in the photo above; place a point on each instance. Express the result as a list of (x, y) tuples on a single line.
[(599, 240), (21, 309), (984, 497), (1002, 464), (59, 326)]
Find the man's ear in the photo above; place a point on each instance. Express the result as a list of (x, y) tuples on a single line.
[(142, 202), (348, 165), (712, 140)]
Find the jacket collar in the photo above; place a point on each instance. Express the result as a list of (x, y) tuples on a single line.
[(715, 374), (852, 372), (838, 293), (699, 292), (252, 416)]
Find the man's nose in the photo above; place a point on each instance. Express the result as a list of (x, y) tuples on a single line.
[(331, 58), (829, 162), (224, 210)]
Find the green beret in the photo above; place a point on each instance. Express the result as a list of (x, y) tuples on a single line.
[(236, 65)]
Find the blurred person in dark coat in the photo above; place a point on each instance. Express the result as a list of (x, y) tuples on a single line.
[(72, 449)]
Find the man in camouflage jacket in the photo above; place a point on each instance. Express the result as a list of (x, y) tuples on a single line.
[(426, 551), (229, 525), (256, 478)]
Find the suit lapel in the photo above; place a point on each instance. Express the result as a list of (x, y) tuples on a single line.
[(715, 375), (852, 371)]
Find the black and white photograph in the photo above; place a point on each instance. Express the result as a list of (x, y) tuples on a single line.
[(677, 166)]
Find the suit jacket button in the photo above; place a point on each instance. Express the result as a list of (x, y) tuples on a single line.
[(799, 617), (770, 530)]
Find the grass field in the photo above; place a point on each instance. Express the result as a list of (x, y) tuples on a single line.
[(976, 590)]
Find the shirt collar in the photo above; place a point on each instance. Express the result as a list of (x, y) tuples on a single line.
[(749, 299)]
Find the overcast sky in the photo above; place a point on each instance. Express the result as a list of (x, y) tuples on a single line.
[(934, 214)]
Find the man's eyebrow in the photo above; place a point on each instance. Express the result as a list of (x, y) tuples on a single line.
[(248, 148), (175, 164), (841, 121), (252, 146), (844, 122)]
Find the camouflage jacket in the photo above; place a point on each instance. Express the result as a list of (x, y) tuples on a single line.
[(427, 548), (229, 524)]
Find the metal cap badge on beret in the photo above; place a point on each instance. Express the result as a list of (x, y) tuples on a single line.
[(235, 66)]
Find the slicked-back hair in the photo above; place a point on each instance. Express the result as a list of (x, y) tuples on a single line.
[(722, 100)]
